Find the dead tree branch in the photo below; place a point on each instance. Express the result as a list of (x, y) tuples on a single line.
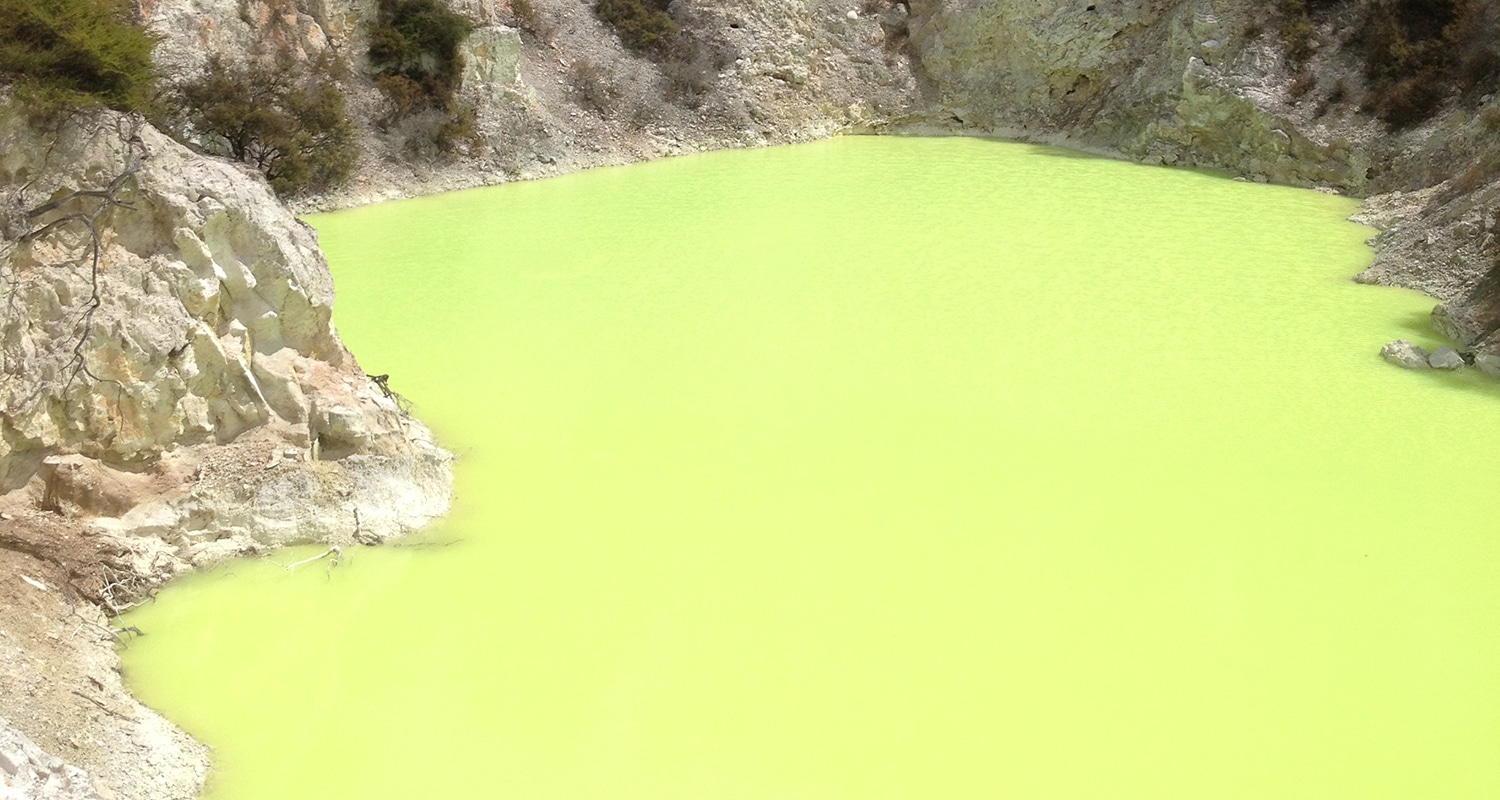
[(116, 634), (383, 383), (334, 554), (100, 703), (84, 207), (124, 590)]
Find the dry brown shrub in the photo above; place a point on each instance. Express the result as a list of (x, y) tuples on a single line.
[(594, 86), (1302, 82)]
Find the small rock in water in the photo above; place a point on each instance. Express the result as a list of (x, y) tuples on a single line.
[(1405, 355), (1488, 364), (1445, 357)]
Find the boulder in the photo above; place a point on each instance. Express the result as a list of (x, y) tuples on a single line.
[(1445, 357), (1405, 355)]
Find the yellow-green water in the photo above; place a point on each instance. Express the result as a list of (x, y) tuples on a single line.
[(879, 468)]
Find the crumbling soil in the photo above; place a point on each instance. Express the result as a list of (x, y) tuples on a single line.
[(60, 680)]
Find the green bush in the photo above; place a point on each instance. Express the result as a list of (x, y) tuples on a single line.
[(286, 119), (76, 52), (417, 41), (414, 50), (1296, 29), (641, 24)]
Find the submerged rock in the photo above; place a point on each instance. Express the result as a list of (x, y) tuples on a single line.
[(1488, 364), (1405, 355), (1445, 357)]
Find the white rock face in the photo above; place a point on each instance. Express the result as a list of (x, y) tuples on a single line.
[(192, 30), (492, 59), (1207, 83), (211, 338), (555, 90), (175, 391), (29, 773)]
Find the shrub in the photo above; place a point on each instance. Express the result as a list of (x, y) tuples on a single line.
[(459, 131), (1296, 30), (690, 79), (594, 86), (641, 24), (1302, 83), (418, 41), (76, 52), (286, 119), (1409, 101), (414, 50), (1470, 179), (529, 18), (1490, 118), (1485, 168), (1418, 53), (1340, 93)]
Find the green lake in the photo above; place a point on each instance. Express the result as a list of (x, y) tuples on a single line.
[(878, 468)]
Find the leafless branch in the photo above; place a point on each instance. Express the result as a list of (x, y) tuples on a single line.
[(335, 556), (100, 703), (124, 590), (36, 226)]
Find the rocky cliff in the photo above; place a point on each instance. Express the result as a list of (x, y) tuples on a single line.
[(1209, 83), (171, 392), (1202, 83), (555, 90), (160, 308)]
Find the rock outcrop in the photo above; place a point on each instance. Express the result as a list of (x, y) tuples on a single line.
[(554, 90), (1192, 84), (1207, 83), (1406, 355), (1445, 357), (172, 392), (196, 315), (29, 773)]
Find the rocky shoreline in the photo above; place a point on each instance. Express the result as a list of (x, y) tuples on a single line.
[(203, 406), (174, 395)]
